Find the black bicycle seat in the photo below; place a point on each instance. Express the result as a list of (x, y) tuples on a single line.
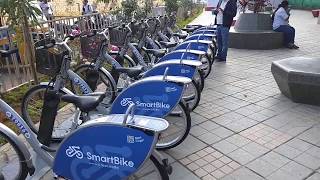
[(188, 30), (131, 72), (85, 103), (168, 44), (157, 52), (7, 53), (180, 36)]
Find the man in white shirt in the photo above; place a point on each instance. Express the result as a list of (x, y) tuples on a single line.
[(87, 8), (225, 12), (281, 24), (46, 9)]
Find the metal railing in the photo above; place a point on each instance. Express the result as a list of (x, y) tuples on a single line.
[(15, 70)]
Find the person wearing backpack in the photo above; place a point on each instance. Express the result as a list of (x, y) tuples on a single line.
[(280, 19)]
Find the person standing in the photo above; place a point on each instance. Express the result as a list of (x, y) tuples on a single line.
[(281, 24), (46, 9), (86, 8), (225, 12)]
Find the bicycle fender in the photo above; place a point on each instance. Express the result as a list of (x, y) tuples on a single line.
[(130, 59), (106, 72), (21, 146)]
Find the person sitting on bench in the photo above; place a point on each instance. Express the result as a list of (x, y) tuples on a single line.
[(281, 24)]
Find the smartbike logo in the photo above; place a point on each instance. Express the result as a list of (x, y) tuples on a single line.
[(83, 87), (14, 119), (111, 161), (157, 104)]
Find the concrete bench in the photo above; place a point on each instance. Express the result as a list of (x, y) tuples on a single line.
[(298, 78)]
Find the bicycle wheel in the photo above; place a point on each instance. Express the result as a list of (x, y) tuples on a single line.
[(191, 95), (206, 65), (199, 79), (146, 56), (12, 161), (103, 84), (151, 169), (32, 104), (179, 126)]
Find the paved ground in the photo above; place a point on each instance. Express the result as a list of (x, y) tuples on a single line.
[(245, 128)]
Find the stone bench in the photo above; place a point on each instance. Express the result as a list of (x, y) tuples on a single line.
[(298, 78)]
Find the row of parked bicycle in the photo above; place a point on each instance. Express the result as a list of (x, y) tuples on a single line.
[(112, 114)]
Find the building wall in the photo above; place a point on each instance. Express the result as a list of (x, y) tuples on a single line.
[(74, 7)]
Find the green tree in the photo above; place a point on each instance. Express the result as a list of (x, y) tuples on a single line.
[(128, 7), (171, 6), (21, 14)]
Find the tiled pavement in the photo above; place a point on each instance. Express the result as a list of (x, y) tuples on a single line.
[(244, 128)]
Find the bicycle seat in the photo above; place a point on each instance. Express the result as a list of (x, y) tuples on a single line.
[(157, 52), (188, 30), (85, 103), (131, 72), (168, 44), (7, 53), (180, 36)]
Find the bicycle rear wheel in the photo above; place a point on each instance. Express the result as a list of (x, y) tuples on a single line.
[(206, 65), (12, 162), (179, 126), (152, 169)]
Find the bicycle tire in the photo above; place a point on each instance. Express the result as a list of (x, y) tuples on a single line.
[(196, 99), (146, 56), (200, 80), (25, 114), (85, 67), (23, 172), (186, 130), (128, 62), (208, 68)]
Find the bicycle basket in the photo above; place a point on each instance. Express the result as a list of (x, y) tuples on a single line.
[(49, 57), (91, 46), (117, 37)]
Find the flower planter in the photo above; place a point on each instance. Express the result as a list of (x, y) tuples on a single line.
[(315, 12)]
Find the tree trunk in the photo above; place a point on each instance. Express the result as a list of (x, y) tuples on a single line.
[(29, 48)]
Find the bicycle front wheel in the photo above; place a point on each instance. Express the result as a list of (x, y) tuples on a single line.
[(152, 169), (12, 162), (206, 65), (104, 83), (179, 126), (191, 95), (31, 109)]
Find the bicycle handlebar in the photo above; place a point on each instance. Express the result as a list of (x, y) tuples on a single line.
[(65, 43)]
